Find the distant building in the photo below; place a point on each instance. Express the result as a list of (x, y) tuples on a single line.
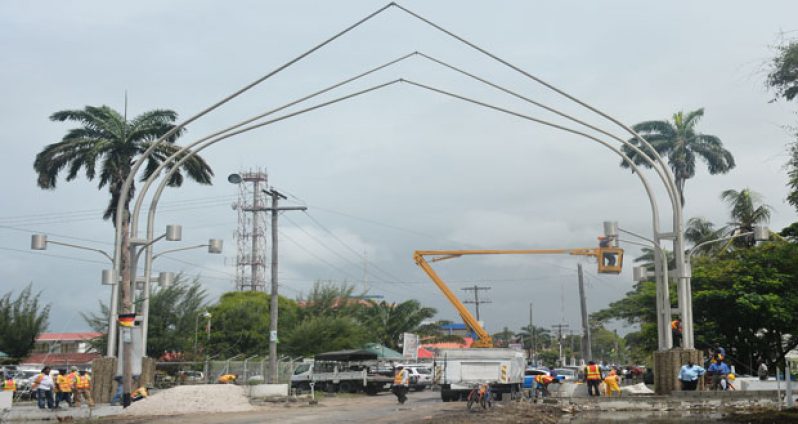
[(63, 350)]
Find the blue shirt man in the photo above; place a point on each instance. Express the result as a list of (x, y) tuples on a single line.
[(689, 375), (718, 368)]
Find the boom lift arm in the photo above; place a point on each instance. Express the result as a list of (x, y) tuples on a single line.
[(485, 340)]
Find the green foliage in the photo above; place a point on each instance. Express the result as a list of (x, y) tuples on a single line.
[(386, 322), (783, 75), (548, 357), (240, 323), (21, 320), (173, 317), (680, 144), (747, 302), (99, 323), (540, 335), (324, 334), (107, 138), (792, 174)]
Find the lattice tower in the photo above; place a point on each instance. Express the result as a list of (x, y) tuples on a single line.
[(250, 235)]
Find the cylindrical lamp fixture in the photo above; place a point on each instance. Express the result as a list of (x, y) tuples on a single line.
[(38, 242), (108, 277), (639, 273), (165, 279), (234, 179), (215, 246), (174, 232)]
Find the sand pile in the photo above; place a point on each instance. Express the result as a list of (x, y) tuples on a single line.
[(208, 398)]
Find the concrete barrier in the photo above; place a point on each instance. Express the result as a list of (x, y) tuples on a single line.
[(260, 391)]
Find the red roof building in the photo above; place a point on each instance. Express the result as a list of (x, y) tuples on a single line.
[(63, 349)]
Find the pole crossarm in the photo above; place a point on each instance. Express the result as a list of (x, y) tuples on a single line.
[(695, 248)]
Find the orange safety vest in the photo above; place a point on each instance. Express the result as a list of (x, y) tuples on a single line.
[(10, 385), (82, 383), (675, 325), (400, 378), (543, 379), (64, 385), (593, 372)]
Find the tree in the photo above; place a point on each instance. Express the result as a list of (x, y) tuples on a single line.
[(745, 213), (324, 334), (241, 323), (792, 174), (387, 322), (783, 76), (108, 138), (700, 230), (173, 313), (173, 317), (681, 143), (328, 299), (21, 320), (746, 302)]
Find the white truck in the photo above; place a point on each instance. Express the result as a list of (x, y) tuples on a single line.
[(457, 371), (344, 371)]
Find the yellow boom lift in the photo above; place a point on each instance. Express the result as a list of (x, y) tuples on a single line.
[(610, 261)]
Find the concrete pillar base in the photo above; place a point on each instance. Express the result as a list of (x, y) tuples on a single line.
[(667, 364)]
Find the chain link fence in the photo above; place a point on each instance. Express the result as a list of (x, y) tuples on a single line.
[(252, 370)]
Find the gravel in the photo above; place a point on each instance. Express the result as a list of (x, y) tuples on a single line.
[(191, 399)]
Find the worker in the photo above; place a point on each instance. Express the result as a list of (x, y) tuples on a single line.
[(728, 382), (689, 375), (676, 332), (72, 377), (138, 394), (611, 384), (542, 382), (593, 378), (401, 383), (43, 386), (719, 370), (9, 385), (608, 258), (64, 386), (227, 379), (83, 389)]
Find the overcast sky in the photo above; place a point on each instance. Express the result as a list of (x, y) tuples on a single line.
[(400, 168)]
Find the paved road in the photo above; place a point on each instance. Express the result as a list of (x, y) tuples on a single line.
[(381, 409)]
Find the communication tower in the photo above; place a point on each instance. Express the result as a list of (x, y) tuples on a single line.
[(251, 231)]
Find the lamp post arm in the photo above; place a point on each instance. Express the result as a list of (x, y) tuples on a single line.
[(694, 248), (140, 198), (179, 249), (76, 246)]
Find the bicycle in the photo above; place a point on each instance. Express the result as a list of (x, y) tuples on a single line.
[(480, 395)]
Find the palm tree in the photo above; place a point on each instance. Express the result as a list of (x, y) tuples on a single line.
[(681, 143), (745, 213), (700, 230), (388, 321), (107, 137)]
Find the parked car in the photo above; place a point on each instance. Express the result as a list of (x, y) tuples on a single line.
[(420, 376), (566, 374), (530, 373), (191, 377)]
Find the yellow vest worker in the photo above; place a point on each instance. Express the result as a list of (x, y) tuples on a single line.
[(593, 372), (64, 384), (82, 382), (611, 384), (226, 379), (9, 385)]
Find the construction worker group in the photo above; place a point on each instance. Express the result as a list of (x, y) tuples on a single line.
[(66, 388)]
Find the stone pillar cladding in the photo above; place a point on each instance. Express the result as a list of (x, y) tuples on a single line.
[(667, 364), (102, 377)]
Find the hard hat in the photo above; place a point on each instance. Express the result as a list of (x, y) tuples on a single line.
[(731, 377)]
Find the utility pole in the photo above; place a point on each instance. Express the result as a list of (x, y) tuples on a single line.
[(532, 342), (587, 349), (476, 300), (558, 328), (275, 209)]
